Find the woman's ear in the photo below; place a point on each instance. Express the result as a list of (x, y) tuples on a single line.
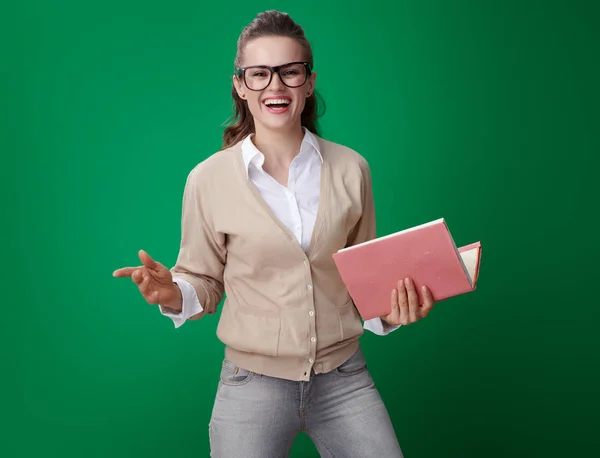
[(238, 87), (311, 84)]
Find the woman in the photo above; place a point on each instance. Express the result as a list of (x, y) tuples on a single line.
[(261, 219)]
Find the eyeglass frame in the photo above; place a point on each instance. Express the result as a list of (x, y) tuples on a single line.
[(241, 71)]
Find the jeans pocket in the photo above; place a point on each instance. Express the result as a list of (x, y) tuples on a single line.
[(233, 375), (355, 365)]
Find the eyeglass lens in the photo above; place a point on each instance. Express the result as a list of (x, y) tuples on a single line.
[(292, 75)]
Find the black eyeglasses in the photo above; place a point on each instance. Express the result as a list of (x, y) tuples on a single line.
[(258, 77)]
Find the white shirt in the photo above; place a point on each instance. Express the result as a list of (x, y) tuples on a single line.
[(295, 205)]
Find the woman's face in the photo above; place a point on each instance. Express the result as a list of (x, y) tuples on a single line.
[(276, 106)]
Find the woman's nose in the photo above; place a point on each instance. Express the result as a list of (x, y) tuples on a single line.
[(276, 82)]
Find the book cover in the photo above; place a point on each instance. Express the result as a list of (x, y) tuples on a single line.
[(426, 253)]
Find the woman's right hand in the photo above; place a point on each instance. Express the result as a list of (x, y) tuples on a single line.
[(154, 281)]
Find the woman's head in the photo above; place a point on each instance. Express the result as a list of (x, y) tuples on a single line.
[(274, 84)]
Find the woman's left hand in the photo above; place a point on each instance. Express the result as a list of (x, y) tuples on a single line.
[(405, 304)]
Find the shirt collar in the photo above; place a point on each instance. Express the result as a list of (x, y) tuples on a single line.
[(251, 154)]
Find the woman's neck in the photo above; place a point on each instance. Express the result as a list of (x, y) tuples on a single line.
[(278, 146)]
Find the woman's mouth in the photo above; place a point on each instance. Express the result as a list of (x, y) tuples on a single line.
[(277, 105)]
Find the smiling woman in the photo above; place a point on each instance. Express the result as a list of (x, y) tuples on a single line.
[(274, 69), (272, 52), (261, 220)]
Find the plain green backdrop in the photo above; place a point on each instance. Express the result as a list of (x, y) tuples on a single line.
[(484, 113)]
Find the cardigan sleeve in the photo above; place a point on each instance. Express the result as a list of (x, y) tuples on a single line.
[(202, 253), (366, 228)]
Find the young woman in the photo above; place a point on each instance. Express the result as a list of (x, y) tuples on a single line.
[(261, 220)]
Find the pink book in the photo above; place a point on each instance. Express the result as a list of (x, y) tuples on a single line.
[(426, 253)]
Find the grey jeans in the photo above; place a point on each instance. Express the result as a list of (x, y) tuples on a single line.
[(257, 416)]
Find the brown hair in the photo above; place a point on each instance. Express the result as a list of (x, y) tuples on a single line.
[(268, 23)]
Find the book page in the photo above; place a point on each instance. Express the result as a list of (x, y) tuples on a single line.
[(469, 258), (394, 234)]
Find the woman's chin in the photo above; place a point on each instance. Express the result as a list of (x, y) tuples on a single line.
[(279, 122)]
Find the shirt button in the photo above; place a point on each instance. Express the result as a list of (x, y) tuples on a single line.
[(309, 287), (310, 360), (313, 339), (305, 262), (311, 313)]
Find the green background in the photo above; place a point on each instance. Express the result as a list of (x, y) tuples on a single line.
[(484, 113)]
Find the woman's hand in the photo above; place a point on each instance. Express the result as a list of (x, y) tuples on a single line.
[(154, 281), (405, 304)]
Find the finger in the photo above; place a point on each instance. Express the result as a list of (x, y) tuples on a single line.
[(137, 277), (147, 260), (427, 301), (144, 285), (124, 272), (413, 300), (153, 298), (402, 303)]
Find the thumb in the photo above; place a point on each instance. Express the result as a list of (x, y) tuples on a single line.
[(395, 304), (156, 270), (147, 260)]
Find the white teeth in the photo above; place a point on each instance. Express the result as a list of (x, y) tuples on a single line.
[(277, 101)]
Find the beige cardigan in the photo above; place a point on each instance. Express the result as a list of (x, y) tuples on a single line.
[(286, 312)]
